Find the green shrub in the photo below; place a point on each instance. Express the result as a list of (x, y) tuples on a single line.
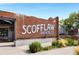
[(47, 48), (59, 45), (35, 47), (76, 42), (70, 42), (54, 44), (62, 42)]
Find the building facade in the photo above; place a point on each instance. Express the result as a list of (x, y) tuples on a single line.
[(18, 27)]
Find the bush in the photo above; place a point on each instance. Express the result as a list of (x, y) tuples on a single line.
[(70, 41), (75, 43), (35, 47), (77, 50), (47, 48), (54, 44), (62, 42)]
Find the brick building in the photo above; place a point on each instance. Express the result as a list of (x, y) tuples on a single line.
[(18, 27)]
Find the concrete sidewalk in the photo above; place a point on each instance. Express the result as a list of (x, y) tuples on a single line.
[(8, 49), (11, 51)]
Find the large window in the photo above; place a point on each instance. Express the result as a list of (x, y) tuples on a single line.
[(3, 32)]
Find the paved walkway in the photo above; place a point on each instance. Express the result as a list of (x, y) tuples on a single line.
[(11, 51), (7, 49)]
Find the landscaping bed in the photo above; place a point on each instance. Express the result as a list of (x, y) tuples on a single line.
[(65, 42)]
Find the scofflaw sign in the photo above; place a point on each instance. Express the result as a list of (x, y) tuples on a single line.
[(40, 28)]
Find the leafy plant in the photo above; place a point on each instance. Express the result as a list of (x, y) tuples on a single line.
[(47, 48), (77, 50), (54, 44), (35, 47), (70, 42), (63, 42), (59, 43), (76, 42)]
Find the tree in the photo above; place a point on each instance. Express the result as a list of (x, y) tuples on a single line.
[(72, 21)]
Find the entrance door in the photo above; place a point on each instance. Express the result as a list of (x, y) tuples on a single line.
[(4, 34), (7, 33)]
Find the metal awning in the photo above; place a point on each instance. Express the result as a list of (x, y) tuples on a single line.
[(7, 20)]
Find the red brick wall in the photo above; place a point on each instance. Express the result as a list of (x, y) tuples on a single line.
[(30, 20)]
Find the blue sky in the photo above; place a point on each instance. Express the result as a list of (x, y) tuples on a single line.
[(42, 10)]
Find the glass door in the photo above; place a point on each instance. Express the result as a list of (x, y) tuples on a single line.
[(3, 33)]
